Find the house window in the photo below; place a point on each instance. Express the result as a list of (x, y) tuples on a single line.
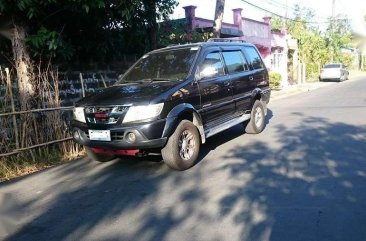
[(276, 60)]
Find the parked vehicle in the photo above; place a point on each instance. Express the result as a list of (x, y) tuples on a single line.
[(335, 71), (172, 100)]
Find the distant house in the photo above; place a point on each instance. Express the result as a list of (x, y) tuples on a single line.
[(275, 47), (359, 50)]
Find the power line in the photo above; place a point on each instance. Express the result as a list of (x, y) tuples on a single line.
[(276, 4), (281, 16), (286, 7)]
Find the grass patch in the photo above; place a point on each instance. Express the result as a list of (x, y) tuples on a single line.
[(31, 161)]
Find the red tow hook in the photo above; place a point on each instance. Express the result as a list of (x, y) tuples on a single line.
[(121, 152)]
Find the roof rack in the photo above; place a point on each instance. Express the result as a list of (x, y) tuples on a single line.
[(172, 45), (225, 40)]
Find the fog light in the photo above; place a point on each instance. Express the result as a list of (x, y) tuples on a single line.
[(131, 137)]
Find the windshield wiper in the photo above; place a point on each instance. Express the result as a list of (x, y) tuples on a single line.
[(163, 79), (149, 80), (137, 81)]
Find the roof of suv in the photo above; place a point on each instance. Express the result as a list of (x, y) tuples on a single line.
[(204, 44)]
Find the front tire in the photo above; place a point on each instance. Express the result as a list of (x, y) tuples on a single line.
[(98, 157), (182, 149), (256, 123)]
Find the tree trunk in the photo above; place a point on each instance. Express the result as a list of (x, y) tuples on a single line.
[(26, 82), (219, 14), (23, 67)]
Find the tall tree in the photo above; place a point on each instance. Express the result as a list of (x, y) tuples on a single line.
[(87, 29), (338, 36), (19, 19), (219, 15)]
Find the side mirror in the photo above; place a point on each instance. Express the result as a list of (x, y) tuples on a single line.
[(207, 72)]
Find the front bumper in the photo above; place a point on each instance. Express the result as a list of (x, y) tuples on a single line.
[(148, 136)]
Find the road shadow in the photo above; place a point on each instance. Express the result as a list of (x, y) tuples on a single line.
[(311, 186), (219, 139)]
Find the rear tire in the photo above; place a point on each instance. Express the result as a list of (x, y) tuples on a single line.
[(256, 123), (182, 149), (98, 157)]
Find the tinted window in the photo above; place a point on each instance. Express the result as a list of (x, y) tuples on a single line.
[(331, 66), (254, 58), (212, 63), (163, 65), (234, 61)]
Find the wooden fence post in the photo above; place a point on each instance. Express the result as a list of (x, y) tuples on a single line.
[(15, 126), (105, 85), (82, 84)]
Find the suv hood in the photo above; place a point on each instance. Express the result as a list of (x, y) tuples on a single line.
[(128, 93)]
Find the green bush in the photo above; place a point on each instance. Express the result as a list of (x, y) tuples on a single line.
[(274, 80)]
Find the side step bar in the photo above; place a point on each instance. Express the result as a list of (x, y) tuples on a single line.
[(217, 129)]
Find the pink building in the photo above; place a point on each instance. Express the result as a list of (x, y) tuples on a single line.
[(273, 46)]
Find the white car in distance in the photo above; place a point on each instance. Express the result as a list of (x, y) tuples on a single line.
[(335, 71)]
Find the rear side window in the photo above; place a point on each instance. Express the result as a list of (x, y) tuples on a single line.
[(254, 58), (234, 61), (212, 65)]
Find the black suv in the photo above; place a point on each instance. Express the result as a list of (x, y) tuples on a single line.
[(172, 100)]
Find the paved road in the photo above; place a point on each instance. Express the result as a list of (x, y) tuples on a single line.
[(303, 178)]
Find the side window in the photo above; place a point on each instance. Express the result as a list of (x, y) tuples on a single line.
[(211, 66), (254, 58), (234, 61)]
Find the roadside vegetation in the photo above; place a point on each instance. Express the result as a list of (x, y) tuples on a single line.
[(274, 80), (20, 131), (60, 35)]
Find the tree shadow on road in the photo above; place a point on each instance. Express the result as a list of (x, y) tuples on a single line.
[(310, 186)]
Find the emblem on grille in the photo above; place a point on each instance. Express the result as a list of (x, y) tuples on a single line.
[(104, 114)]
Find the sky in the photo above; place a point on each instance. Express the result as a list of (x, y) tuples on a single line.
[(355, 10)]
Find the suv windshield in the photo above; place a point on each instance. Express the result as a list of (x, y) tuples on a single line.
[(163, 65)]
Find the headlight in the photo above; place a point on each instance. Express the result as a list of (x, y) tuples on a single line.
[(143, 112), (78, 114)]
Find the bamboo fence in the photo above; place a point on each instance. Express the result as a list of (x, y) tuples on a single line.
[(36, 130)]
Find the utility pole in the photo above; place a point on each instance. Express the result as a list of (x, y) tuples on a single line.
[(286, 20), (219, 14), (332, 30)]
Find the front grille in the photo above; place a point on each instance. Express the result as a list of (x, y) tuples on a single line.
[(108, 120), (102, 110), (112, 114)]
